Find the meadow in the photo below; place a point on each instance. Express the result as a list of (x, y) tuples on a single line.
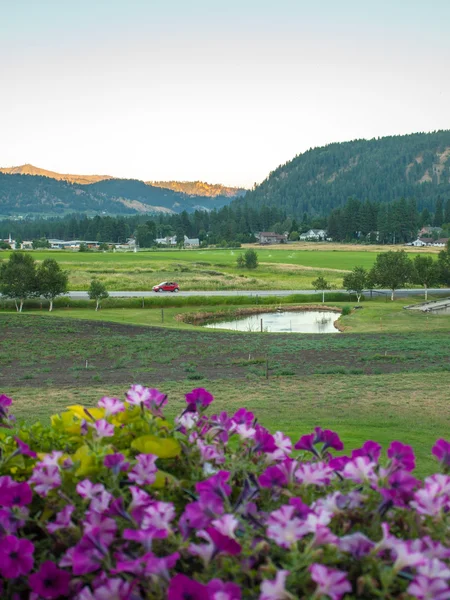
[(293, 267), (374, 385)]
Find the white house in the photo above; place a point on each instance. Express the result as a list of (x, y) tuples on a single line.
[(314, 235), (191, 242), (167, 241), (270, 237)]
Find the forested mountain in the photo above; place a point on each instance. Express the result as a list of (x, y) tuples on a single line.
[(379, 170), (32, 170), (200, 188), (35, 194)]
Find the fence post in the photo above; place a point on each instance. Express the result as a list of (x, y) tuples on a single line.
[(261, 326)]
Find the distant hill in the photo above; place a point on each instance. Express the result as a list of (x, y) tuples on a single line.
[(31, 170), (39, 195), (199, 188), (380, 170)]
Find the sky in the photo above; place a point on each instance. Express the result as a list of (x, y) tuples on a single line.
[(221, 91)]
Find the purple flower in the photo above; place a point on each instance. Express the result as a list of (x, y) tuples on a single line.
[(406, 555), (306, 442), (223, 543), (264, 440), (14, 494), (357, 544), (400, 488), (441, 451), (24, 448), (45, 479), (360, 470), (217, 484), (138, 395), (158, 516), (184, 588), (197, 399), (110, 589), (330, 582), (402, 456), (103, 429), (275, 589), (284, 447), (328, 438), (370, 449), (5, 403), (198, 515), (219, 590), (116, 462), (243, 417), (88, 490), (50, 581), (63, 519), (285, 529), (16, 557), (144, 471), (112, 406), (425, 588), (302, 510), (272, 477)]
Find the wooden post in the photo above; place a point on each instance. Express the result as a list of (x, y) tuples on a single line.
[(261, 326)]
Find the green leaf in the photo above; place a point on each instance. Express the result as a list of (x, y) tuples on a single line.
[(161, 447)]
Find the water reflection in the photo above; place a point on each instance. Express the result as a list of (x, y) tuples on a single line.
[(289, 321)]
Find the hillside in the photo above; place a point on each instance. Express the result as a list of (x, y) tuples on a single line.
[(31, 170), (38, 195), (199, 188), (381, 170)]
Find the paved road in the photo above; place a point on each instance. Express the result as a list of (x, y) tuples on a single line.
[(398, 293)]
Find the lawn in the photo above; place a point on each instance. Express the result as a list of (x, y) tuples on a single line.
[(289, 268), (375, 385)]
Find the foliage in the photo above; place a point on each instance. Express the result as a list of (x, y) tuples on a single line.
[(251, 259), (118, 502), (18, 278), (321, 284), (97, 291), (4, 245), (356, 281), (425, 271), (346, 310), (52, 281), (40, 243), (392, 270)]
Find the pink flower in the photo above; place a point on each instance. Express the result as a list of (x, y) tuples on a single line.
[(360, 470), (63, 519), (88, 490), (16, 557), (138, 395), (272, 477), (306, 442), (52, 459), (314, 474), (111, 589), (112, 406), (45, 479), (226, 525), (182, 587), (428, 501), (356, 544), (103, 429), (116, 462), (283, 447), (402, 456), (275, 589), (406, 556), (210, 453), (14, 494), (197, 399), (50, 581), (285, 529), (425, 588), (217, 484), (441, 451), (144, 472), (370, 449), (330, 582), (222, 542), (24, 448), (219, 590), (328, 438), (158, 516)]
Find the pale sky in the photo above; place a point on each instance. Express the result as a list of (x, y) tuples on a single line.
[(220, 91)]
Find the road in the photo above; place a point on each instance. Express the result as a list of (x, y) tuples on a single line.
[(398, 293)]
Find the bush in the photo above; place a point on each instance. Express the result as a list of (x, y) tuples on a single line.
[(346, 310), (119, 502)]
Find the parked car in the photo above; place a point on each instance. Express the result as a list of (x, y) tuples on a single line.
[(166, 286)]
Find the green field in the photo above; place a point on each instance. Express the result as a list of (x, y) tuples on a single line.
[(380, 386), (207, 269)]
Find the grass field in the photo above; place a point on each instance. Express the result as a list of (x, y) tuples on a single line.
[(294, 267), (380, 386)]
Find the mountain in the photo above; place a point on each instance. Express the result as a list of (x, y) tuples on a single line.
[(381, 170), (199, 188), (31, 170), (38, 195)]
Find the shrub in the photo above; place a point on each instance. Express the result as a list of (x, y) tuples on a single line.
[(346, 310), (119, 502)]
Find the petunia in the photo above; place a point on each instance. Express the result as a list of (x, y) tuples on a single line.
[(184, 588), (272, 477), (16, 557), (197, 399), (219, 590), (306, 442), (328, 438), (226, 525), (103, 429), (13, 493), (370, 449), (217, 484), (63, 519), (357, 544), (45, 479), (285, 529), (158, 516), (88, 490), (116, 462), (314, 474), (112, 406), (425, 588), (144, 471), (275, 589), (406, 556), (24, 448), (402, 456), (50, 581), (441, 451), (360, 470), (330, 582)]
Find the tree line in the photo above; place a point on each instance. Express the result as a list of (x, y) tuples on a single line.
[(21, 278)]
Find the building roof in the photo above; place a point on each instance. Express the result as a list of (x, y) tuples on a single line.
[(271, 234)]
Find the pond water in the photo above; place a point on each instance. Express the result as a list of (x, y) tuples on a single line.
[(311, 321)]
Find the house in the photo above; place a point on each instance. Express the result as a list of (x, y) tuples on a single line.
[(420, 242), (441, 242), (427, 241), (429, 230), (270, 237), (318, 235), (167, 241), (191, 242)]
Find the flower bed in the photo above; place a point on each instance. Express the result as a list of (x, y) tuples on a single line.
[(116, 502)]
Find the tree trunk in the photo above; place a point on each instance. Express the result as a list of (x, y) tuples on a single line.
[(392, 294), (97, 305), (50, 308), (358, 297), (426, 291), (20, 305), (323, 296), (17, 306)]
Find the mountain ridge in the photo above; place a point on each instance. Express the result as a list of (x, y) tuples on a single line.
[(29, 169)]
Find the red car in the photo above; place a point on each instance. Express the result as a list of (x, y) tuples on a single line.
[(166, 286)]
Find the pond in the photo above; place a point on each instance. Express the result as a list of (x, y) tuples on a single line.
[(312, 321)]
